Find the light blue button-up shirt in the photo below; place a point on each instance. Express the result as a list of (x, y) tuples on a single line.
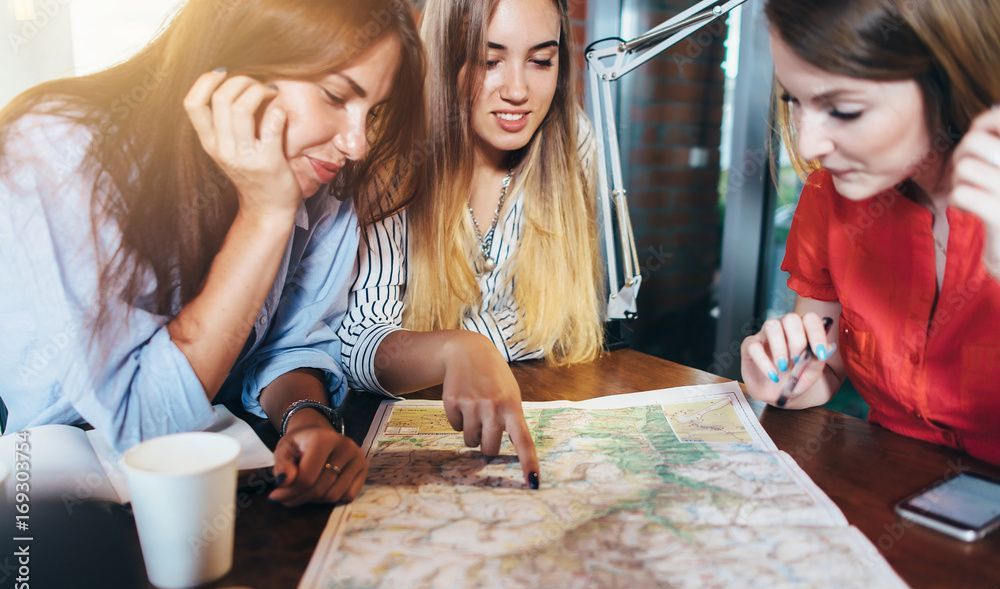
[(139, 385)]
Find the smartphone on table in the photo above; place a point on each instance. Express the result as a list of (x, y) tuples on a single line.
[(965, 506)]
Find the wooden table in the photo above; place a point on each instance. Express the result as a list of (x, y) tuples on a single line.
[(863, 468)]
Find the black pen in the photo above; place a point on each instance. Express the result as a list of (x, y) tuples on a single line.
[(800, 366)]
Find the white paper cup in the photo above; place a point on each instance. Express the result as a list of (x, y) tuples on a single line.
[(183, 491)]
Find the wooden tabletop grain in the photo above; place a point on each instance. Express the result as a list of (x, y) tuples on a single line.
[(865, 470)]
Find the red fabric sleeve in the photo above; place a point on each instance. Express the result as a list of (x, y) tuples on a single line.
[(807, 249)]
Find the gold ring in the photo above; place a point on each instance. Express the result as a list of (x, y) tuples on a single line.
[(335, 469)]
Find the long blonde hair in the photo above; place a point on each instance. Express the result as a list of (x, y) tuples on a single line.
[(950, 48), (556, 270)]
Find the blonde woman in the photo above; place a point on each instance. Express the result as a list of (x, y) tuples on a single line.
[(497, 261)]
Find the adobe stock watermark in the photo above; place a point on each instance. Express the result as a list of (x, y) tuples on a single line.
[(41, 357), (896, 23), (22, 506), (895, 531), (814, 445), (45, 12), (124, 104), (377, 26), (882, 204), (698, 45)]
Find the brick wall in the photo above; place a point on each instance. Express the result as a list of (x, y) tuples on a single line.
[(676, 109), (673, 110)]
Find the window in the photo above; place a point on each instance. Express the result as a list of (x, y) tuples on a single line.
[(48, 39)]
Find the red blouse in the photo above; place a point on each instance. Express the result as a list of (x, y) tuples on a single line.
[(927, 372)]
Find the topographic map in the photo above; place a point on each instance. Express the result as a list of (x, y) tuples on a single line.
[(673, 488)]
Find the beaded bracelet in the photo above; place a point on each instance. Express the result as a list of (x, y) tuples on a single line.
[(331, 414)]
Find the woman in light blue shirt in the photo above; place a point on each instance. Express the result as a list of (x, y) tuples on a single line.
[(171, 238)]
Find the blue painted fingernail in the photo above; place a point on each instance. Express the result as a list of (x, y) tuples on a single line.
[(220, 70), (773, 376), (280, 479), (821, 353), (783, 365)]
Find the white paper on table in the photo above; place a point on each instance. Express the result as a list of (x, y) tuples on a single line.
[(71, 465), (63, 465)]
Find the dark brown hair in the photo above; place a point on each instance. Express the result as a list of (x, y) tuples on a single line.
[(171, 202)]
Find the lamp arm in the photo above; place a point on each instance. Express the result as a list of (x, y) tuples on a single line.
[(625, 57)]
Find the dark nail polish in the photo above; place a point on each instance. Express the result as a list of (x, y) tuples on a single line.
[(782, 401), (280, 479), (533, 480)]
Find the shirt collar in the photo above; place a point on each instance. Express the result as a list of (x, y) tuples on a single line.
[(302, 217)]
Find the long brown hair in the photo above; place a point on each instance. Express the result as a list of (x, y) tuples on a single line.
[(173, 205), (556, 269), (950, 48)]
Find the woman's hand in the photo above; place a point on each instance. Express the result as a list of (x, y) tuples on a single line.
[(301, 459), (224, 114), (482, 399), (767, 357), (977, 181)]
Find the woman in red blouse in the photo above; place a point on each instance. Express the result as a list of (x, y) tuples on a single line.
[(887, 112)]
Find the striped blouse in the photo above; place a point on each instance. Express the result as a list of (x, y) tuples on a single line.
[(375, 307)]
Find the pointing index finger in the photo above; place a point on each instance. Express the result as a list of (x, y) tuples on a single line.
[(520, 436)]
